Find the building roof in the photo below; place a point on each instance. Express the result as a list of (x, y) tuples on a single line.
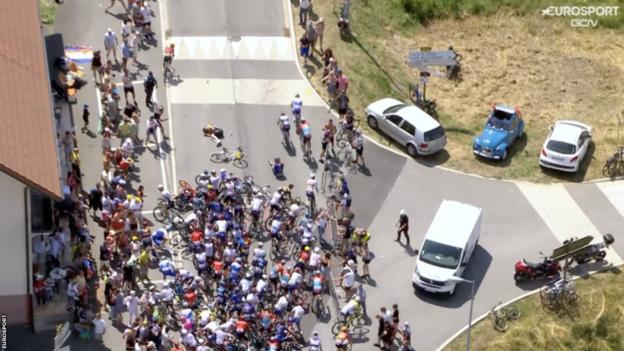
[(28, 149)]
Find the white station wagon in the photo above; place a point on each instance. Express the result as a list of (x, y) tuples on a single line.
[(413, 128), (566, 146)]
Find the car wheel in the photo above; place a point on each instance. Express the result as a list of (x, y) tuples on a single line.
[(411, 150), (372, 122)]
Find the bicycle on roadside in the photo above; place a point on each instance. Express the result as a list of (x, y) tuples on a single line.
[(501, 315), (614, 166), (559, 293)]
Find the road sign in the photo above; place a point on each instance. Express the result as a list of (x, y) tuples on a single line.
[(432, 58), (571, 248)]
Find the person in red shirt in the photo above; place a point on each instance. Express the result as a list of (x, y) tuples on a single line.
[(190, 297), (196, 236), (241, 328), (217, 267)]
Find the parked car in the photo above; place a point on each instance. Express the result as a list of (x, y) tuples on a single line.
[(566, 146), (504, 126), (408, 125)]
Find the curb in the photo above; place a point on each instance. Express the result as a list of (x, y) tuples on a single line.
[(515, 299), (402, 154)]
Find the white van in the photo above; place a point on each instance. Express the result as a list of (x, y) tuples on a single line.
[(448, 246)]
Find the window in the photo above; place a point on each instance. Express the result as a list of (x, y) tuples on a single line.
[(434, 134), (440, 255), (393, 109), (409, 128), (561, 147), (40, 212), (395, 119)]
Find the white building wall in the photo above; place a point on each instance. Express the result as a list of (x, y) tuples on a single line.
[(13, 250)]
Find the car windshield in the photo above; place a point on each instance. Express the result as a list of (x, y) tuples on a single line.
[(393, 109), (497, 123), (561, 147), (440, 255), (435, 133)]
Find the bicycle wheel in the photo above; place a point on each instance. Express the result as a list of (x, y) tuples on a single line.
[(160, 214), (499, 323), (512, 312), (218, 157), (336, 327), (240, 163), (342, 143)]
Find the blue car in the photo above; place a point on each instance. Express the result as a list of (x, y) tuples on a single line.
[(503, 127)]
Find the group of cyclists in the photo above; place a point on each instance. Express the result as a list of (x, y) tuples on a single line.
[(243, 294), (348, 133)]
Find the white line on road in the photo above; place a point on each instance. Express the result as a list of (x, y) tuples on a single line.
[(266, 48), (242, 91), (562, 214), (614, 192)]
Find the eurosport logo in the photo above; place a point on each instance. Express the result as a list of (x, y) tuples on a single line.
[(581, 11)]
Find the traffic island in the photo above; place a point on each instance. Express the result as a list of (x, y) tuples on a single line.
[(592, 323), (510, 55)]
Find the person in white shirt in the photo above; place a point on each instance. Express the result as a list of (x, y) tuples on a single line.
[(99, 327), (259, 252), (281, 304), (132, 302), (315, 342), (315, 258), (127, 86), (297, 314), (352, 306), (110, 44), (295, 279), (347, 279), (261, 284), (147, 14), (152, 125), (304, 8), (311, 185)]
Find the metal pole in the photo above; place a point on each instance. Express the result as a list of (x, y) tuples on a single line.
[(472, 284), (424, 91)]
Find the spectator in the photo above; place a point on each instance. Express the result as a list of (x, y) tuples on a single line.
[(304, 8), (110, 44), (403, 226), (99, 327), (96, 66), (311, 35), (149, 84), (304, 49), (319, 28)]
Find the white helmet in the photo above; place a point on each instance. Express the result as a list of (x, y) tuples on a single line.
[(161, 187)]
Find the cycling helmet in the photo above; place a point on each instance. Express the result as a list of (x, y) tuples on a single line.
[(161, 187), (357, 298), (315, 333), (312, 175), (205, 172), (317, 272), (403, 212), (296, 95), (303, 119)]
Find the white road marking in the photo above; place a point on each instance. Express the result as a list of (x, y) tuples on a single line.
[(562, 214), (614, 191), (241, 48), (242, 91)]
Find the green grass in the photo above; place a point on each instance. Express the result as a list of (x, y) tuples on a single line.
[(595, 325), (47, 10), (422, 12)]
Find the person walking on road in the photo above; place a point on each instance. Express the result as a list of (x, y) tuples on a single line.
[(96, 66), (403, 226), (127, 86), (149, 84), (110, 44), (85, 118), (132, 302), (304, 8)]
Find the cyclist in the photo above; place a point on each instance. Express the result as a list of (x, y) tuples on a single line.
[(284, 124), (329, 131), (277, 167), (276, 199), (351, 308), (256, 207), (306, 136), (343, 339), (276, 226), (215, 133), (167, 268), (165, 196), (296, 105), (314, 342)]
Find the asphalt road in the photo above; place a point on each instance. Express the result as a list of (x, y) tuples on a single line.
[(239, 72)]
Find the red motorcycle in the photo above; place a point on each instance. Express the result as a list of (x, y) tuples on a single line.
[(525, 270)]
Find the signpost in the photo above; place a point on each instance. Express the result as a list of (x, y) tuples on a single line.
[(432, 58)]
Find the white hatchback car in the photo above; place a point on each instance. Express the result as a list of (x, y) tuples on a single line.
[(408, 125), (565, 146)]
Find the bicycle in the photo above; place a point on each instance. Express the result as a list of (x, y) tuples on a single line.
[(237, 157), (559, 293), (349, 156), (614, 166), (285, 136), (500, 316), (165, 214), (353, 321)]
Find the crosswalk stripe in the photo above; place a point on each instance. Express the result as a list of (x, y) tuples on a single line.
[(242, 91), (225, 48), (614, 191), (562, 214)]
